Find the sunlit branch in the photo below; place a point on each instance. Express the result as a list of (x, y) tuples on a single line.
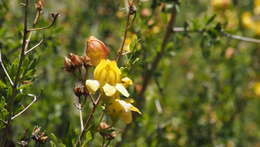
[(27, 107), (236, 37), (5, 71), (34, 47)]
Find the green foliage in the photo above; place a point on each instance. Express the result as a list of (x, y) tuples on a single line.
[(202, 92)]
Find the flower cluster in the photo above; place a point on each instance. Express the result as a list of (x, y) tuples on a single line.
[(107, 80), (249, 20)]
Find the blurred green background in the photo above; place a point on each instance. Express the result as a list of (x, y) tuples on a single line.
[(205, 92)]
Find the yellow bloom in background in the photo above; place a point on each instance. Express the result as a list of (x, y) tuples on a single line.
[(257, 7), (257, 88), (107, 72), (220, 4), (122, 110), (247, 20), (131, 37)]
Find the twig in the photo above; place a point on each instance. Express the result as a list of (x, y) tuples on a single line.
[(247, 39), (236, 37), (5, 71), (90, 117), (54, 18), (81, 117), (31, 49), (3, 121), (92, 99), (127, 26), (27, 107)]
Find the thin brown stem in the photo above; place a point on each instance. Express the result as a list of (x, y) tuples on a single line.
[(54, 18), (124, 39)]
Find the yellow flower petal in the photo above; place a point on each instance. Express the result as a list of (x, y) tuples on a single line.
[(127, 81), (107, 72), (109, 90), (130, 100), (133, 108), (92, 86), (122, 90)]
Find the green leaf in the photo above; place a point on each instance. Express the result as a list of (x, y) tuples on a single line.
[(2, 84), (55, 141), (211, 19), (89, 137)]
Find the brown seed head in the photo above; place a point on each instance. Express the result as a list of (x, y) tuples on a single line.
[(75, 60)]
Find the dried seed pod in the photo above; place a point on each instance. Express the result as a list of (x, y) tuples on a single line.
[(68, 65), (80, 90), (75, 60), (39, 136)]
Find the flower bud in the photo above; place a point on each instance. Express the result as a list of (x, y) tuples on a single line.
[(107, 72), (96, 50)]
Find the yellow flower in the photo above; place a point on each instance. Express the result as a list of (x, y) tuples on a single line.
[(122, 109), (107, 72), (247, 20), (257, 7), (257, 88), (132, 37), (220, 4)]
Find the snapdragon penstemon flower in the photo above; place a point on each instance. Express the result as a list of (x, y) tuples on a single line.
[(107, 79)]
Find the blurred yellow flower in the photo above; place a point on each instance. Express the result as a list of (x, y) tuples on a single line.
[(220, 4), (257, 7), (249, 21), (107, 72), (131, 37), (122, 109), (257, 88)]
